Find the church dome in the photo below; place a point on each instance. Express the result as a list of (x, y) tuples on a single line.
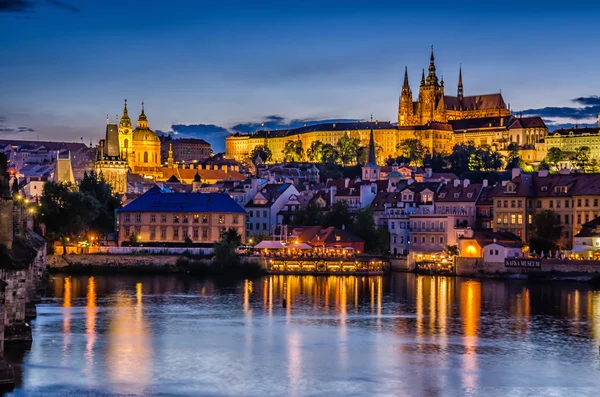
[(142, 132)]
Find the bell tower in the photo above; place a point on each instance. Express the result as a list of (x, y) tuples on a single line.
[(125, 139), (405, 107), (431, 96)]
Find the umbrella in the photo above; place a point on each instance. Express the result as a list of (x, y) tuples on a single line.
[(270, 244), (349, 248), (301, 246)]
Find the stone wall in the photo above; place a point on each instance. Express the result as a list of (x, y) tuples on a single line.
[(474, 266), (401, 265), (6, 221), (107, 261)]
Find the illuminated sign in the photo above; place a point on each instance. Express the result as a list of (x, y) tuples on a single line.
[(523, 262)]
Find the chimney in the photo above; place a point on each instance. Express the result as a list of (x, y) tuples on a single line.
[(494, 240), (456, 182), (332, 192), (485, 183), (516, 172), (346, 182), (466, 182), (543, 173)]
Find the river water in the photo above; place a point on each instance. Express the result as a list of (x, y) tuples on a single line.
[(403, 335)]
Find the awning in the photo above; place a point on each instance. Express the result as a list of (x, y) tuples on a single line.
[(349, 248), (300, 246), (583, 248), (270, 244)]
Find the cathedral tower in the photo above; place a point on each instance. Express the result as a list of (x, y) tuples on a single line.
[(431, 96), (125, 139), (460, 85), (405, 107)]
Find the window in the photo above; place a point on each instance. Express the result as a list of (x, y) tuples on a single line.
[(264, 226), (530, 219), (127, 218), (401, 239), (175, 218), (579, 219), (496, 252), (432, 239), (587, 202), (423, 239), (163, 218), (127, 231), (176, 234), (204, 218), (539, 204), (587, 218), (491, 252), (338, 238), (499, 203), (392, 225), (221, 219), (505, 219), (519, 219), (235, 219), (499, 221), (204, 233), (163, 233), (579, 202), (395, 240), (251, 214), (441, 240), (250, 226), (185, 233), (196, 218), (195, 233), (595, 202), (186, 218), (566, 219), (551, 204), (520, 203), (153, 218), (557, 203), (505, 203), (513, 219), (264, 213), (414, 239), (566, 203), (513, 203), (152, 234)]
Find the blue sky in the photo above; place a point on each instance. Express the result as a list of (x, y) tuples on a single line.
[(215, 65)]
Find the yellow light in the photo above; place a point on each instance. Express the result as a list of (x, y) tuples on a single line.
[(18, 197), (471, 249), (31, 210)]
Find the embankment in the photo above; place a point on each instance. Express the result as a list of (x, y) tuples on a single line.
[(105, 263)]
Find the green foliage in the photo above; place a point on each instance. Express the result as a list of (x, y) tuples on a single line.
[(412, 151), (582, 157), (225, 254), (311, 215), (330, 155), (260, 237), (460, 157), (264, 151), (451, 250), (546, 231), (338, 216), (293, 151), (315, 152), (66, 212), (554, 157), (232, 236), (377, 241), (513, 159), (347, 149), (95, 186)]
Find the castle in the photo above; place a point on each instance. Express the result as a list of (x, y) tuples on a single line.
[(438, 120)]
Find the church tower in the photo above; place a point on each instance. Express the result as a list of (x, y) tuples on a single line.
[(460, 92), (431, 96), (371, 171), (125, 139), (405, 107)]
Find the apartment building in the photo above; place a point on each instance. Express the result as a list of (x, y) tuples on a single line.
[(264, 206)]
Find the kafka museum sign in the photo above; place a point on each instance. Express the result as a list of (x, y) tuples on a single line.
[(528, 263)]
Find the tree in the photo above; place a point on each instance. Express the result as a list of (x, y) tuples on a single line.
[(582, 157), (293, 151), (412, 150), (232, 236), (330, 154), (338, 216), (546, 231), (451, 250), (263, 151), (67, 212), (554, 157), (311, 215), (513, 159), (485, 158), (95, 186), (347, 148), (377, 240), (315, 152), (461, 157), (362, 155)]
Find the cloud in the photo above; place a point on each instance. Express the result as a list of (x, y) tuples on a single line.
[(6, 129), (27, 5), (589, 110), (64, 6), (281, 123), (15, 5), (26, 129)]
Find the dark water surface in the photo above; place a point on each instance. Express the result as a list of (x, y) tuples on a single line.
[(405, 335)]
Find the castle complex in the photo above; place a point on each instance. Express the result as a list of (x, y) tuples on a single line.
[(438, 120)]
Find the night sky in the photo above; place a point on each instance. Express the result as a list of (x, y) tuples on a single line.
[(207, 68)]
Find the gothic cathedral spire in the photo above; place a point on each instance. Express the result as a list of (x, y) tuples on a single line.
[(372, 157), (432, 78), (405, 85), (460, 84)]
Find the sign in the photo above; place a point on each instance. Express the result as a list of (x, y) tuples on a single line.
[(529, 263)]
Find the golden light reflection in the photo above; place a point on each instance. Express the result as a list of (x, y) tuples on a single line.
[(594, 315), (90, 324), (129, 348), (419, 306), (67, 302), (470, 308)]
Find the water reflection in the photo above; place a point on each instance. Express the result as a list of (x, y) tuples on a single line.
[(299, 335)]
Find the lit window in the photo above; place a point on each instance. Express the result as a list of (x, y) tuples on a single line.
[(196, 218), (221, 219)]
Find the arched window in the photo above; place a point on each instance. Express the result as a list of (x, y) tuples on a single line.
[(126, 143), (145, 157)]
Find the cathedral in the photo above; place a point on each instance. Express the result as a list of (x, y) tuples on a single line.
[(438, 120), (125, 151)]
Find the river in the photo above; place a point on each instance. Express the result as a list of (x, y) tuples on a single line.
[(402, 335)]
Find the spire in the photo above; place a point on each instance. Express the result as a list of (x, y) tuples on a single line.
[(460, 83), (125, 109), (372, 156), (432, 78), (142, 120), (405, 85), (125, 120), (197, 177), (170, 158), (423, 77)]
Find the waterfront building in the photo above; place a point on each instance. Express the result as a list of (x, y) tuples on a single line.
[(109, 162), (264, 206), (587, 242), (492, 246), (438, 120), (186, 150), (163, 216)]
